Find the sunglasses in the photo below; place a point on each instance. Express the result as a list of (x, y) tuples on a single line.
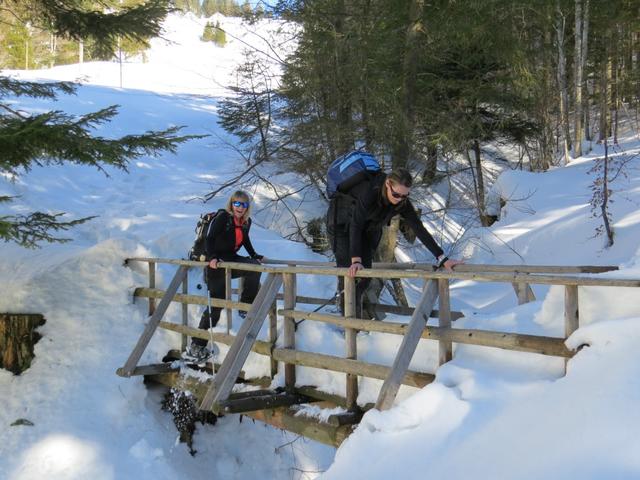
[(395, 194), (236, 203)]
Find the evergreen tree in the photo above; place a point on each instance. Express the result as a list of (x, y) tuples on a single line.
[(53, 137)]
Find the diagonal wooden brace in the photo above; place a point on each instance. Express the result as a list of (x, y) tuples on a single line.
[(408, 347), (241, 347), (152, 323)]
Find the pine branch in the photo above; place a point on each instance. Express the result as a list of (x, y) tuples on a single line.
[(53, 138), (31, 230), (135, 23), (9, 86)]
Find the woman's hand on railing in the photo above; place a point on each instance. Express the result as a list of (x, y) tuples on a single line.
[(214, 262)]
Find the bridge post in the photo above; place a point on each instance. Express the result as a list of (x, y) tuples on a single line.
[(228, 291), (152, 284), (185, 311), (289, 340), (571, 312), (350, 337), (445, 347), (273, 336)]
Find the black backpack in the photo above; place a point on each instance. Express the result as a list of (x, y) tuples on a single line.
[(198, 252)]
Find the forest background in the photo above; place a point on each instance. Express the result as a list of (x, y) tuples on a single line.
[(430, 86)]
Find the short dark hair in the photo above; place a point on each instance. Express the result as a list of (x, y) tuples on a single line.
[(401, 176)]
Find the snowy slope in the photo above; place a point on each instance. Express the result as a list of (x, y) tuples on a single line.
[(490, 414), (498, 414)]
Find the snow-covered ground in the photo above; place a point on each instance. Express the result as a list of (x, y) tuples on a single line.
[(490, 413)]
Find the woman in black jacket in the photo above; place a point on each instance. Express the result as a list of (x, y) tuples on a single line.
[(228, 231)]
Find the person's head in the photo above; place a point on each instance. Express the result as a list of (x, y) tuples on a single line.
[(239, 205), (398, 186)]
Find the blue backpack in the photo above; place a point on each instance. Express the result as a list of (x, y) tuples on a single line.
[(348, 170)]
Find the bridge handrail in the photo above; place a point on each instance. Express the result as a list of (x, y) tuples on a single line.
[(473, 272)]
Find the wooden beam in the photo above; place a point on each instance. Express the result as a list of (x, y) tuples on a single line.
[(227, 296), (152, 284), (350, 339), (346, 365), (467, 267), (153, 369), (185, 311), (285, 418), (261, 402), (273, 336), (508, 341), (143, 292), (571, 310), (445, 347), (408, 346), (153, 322), (289, 328), (241, 347)]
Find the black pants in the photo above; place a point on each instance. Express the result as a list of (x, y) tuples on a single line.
[(370, 241), (216, 286)]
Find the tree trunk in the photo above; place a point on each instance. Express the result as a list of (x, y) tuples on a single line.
[(343, 87), (585, 51), (604, 208), (386, 253), (579, 68), (604, 96), (562, 84), (406, 123), (479, 180), (17, 338)]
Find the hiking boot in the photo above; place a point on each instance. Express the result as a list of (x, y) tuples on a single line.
[(198, 353)]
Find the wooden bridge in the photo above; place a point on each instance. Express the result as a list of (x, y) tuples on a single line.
[(278, 407)]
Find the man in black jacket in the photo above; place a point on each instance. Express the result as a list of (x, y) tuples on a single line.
[(355, 220)]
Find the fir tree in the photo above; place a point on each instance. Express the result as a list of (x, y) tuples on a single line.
[(53, 137)]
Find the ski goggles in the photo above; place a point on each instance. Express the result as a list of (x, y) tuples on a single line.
[(237, 203), (395, 194)]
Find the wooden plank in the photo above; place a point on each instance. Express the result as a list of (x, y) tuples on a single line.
[(273, 336), (445, 347), (289, 327), (142, 292), (348, 418), (154, 369), (287, 418), (467, 267), (571, 310), (309, 359), (228, 292), (346, 365), (153, 322), (185, 311), (408, 346), (504, 340), (478, 274), (350, 338), (241, 347), (284, 418), (152, 284), (261, 402)]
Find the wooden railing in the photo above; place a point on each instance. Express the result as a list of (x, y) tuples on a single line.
[(436, 287)]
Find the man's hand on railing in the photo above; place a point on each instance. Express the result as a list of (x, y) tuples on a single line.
[(354, 268), (450, 263), (214, 262)]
